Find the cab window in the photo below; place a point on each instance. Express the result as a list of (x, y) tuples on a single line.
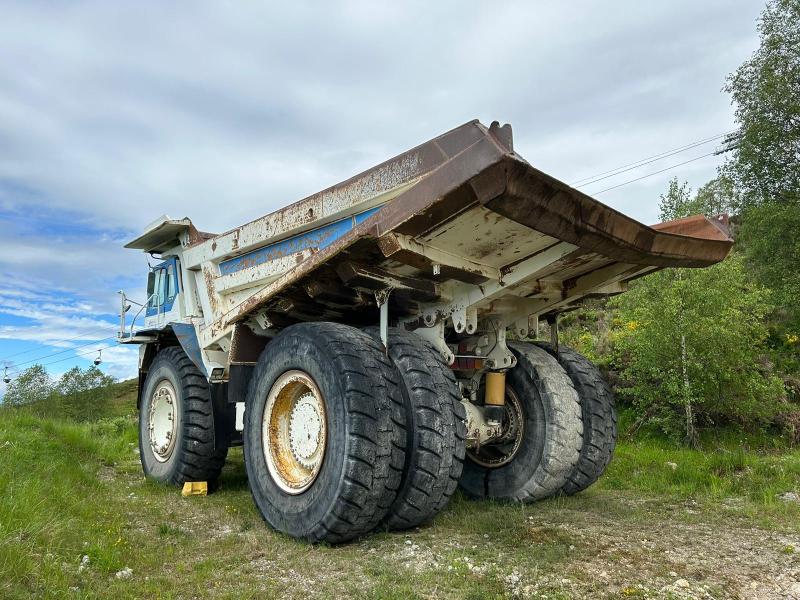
[(162, 285), (171, 280), (155, 287)]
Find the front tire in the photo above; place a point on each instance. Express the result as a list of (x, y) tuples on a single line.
[(324, 477), (543, 415), (176, 422)]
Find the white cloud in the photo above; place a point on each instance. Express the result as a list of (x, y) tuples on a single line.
[(130, 111)]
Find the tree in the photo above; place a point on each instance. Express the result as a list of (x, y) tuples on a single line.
[(677, 202), (771, 239), (692, 340), (76, 381), (83, 394), (765, 163), (714, 198), (32, 385)]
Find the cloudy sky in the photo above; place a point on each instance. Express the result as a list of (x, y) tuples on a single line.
[(112, 114)]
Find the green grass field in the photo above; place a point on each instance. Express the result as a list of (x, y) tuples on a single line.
[(709, 526)]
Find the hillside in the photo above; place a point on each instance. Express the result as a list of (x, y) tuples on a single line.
[(712, 525)]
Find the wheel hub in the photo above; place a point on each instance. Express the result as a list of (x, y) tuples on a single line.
[(305, 428), (502, 451), (294, 432), (162, 420)]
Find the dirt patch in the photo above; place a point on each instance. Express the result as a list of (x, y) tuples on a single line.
[(665, 558)]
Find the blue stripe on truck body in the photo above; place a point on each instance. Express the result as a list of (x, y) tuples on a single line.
[(316, 238)]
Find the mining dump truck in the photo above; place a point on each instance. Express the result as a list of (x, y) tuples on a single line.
[(373, 346)]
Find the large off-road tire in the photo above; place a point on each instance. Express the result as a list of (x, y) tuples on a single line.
[(599, 417), (176, 422), (324, 437), (435, 430), (539, 458)]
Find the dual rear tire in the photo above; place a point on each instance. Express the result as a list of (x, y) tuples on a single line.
[(598, 414), (562, 429), (543, 416), (383, 446), (435, 430)]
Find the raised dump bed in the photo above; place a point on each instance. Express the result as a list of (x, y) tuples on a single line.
[(356, 341)]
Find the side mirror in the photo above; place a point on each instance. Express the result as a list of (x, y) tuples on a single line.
[(151, 283)]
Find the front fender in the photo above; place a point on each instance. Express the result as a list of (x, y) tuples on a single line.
[(173, 334)]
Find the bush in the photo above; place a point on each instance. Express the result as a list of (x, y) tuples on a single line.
[(692, 350)]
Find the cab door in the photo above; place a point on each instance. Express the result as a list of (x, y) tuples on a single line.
[(162, 291)]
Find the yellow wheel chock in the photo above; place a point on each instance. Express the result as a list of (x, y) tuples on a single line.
[(195, 488)]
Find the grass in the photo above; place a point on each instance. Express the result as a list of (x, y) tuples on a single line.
[(72, 489)]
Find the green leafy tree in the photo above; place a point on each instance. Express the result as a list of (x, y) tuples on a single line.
[(693, 346), (678, 202), (771, 237), (691, 343), (765, 160), (714, 198), (32, 385), (83, 394), (718, 196), (76, 381), (765, 90)]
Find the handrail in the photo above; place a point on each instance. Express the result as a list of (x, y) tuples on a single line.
[(142, 307), (124, 309)]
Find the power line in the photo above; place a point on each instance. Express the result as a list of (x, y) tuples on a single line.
[(686, 162), (36, 360), (51, 343), (640, 164), (645, 161), (16, 370)]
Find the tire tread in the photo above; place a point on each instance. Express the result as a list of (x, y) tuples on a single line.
[(436, 430), (375, 444), (598, 414)]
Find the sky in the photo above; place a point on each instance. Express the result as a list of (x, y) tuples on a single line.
[(112, 114)]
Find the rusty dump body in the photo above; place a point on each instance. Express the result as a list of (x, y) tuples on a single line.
[(457, 230)]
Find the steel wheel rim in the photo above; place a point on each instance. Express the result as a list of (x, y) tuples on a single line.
[(501, 452), (294, 432), (162, 420)]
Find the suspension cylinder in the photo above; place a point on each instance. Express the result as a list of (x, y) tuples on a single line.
[(495, 388)]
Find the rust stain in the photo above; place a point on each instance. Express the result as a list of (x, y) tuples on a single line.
[(211, 292)]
